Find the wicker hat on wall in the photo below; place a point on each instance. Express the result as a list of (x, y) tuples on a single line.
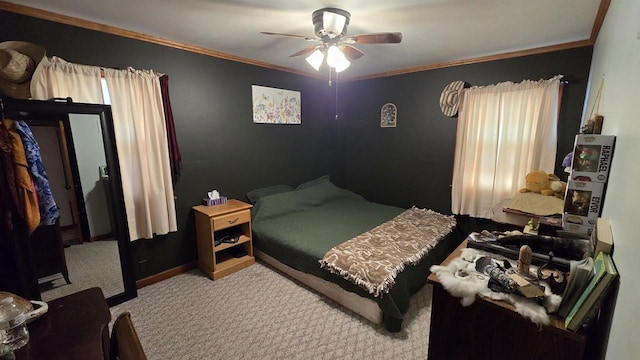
[(18, 61), (450, 98)]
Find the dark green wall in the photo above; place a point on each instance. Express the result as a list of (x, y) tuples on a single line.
[(412, 164), (221, 147), (211, 98)]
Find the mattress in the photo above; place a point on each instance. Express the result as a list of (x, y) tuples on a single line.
[(298, 227)]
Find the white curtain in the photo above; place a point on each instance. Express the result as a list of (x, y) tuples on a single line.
[(504, 132), (55, 77), (136, 103), (141, 140)]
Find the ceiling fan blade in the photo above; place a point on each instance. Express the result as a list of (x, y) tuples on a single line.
[(305, 51), (352, 53), (378, 38), (307, 38)]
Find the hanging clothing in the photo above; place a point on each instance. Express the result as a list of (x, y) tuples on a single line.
[(28, 206), (6, 205), (47, 205), (8, 192)]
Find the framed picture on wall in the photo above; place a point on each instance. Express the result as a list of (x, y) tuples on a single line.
[(275, 106), (388, 115)]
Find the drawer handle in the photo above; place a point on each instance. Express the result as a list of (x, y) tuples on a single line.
[(233, 221)]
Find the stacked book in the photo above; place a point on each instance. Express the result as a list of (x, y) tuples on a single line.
[(581, 274), (590, 300)]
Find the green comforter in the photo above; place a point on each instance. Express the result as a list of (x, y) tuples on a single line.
[(298, 227)]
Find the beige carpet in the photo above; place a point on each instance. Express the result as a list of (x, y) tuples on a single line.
[(257, 313), (90, 264)]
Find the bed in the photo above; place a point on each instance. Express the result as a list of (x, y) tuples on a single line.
[(295, 229)]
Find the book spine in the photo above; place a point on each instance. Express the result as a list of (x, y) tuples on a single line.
[(592, 314), (595, 293), (599, 266)]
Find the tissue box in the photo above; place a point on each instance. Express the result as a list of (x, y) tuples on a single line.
[(592, 157), (218, 201)]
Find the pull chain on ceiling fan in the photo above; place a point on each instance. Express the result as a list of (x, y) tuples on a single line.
[(330, 25)]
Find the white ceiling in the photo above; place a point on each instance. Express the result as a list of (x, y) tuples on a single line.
[(435, 31)]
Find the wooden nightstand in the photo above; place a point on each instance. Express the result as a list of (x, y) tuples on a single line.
[(230, 218)]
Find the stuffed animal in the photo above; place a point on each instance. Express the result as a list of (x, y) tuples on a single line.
[(539, 182), (558, 186)]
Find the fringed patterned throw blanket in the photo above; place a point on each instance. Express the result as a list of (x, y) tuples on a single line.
[(373, 259)]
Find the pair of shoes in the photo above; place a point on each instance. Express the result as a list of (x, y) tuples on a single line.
[(230, 239), (238, 252), (227, 239)]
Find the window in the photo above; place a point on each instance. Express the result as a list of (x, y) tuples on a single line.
[(504, 132)]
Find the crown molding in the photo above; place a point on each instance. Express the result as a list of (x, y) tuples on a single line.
[(64, 19)]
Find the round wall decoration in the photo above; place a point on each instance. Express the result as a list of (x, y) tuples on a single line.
[(388, 115), (450, 98)]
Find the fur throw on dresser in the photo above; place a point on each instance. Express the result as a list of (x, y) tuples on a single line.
[(461, 280)]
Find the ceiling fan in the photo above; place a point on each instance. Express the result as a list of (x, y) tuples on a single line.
[(330, 26)]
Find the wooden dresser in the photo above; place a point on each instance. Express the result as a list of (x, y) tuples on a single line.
[(489, 329), (75, 327)]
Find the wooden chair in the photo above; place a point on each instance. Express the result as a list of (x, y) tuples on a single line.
[(125, 344)]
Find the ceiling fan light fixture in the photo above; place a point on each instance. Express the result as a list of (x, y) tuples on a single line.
[(343, 65), (336, 59), (330, 22), (330, 25), (333, 23), (315, 59)]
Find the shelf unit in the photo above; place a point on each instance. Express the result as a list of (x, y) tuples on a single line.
[(219, 261)]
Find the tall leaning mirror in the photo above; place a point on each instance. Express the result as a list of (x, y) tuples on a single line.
[(88, 245)]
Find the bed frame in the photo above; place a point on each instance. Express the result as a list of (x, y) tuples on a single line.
[(271, 211), (362, 306)]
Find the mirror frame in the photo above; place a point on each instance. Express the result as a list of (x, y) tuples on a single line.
[(63, 109)]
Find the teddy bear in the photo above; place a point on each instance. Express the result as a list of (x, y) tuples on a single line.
[(558, 186), (540, 182)]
